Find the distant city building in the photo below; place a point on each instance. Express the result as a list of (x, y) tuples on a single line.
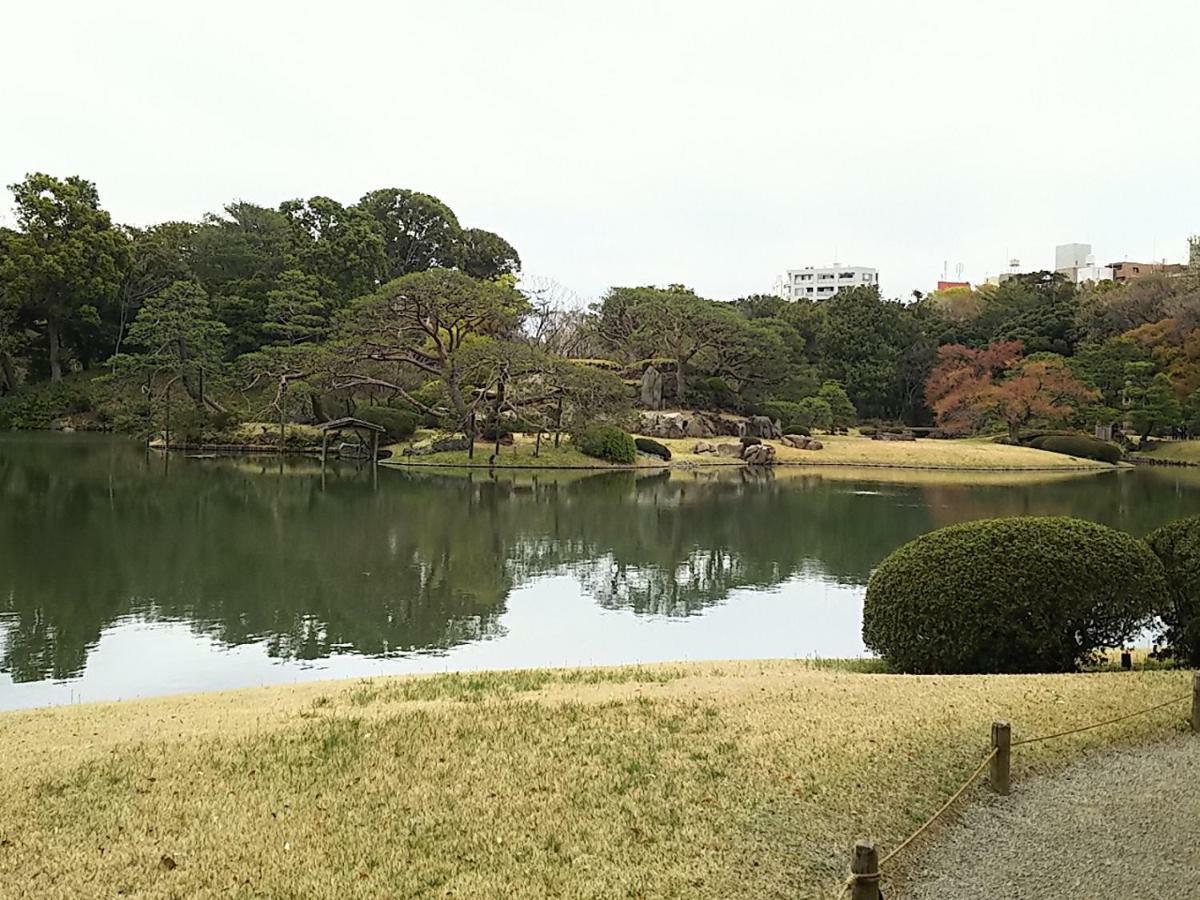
[(953, 285), (1072, 256), (1126, 270), (811, 283), (1194, 251), (1076, 262), (1084, 274)]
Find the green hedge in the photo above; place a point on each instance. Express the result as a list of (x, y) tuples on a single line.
[(37, 406), (1177, 545), (607, 442), (654, 448), (1035, 594), (1080, 445), (400, 423)]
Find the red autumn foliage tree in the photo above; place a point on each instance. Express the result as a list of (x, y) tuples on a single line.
[(968, 387)]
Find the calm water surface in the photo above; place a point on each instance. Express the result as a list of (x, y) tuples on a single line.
[(125, 574)]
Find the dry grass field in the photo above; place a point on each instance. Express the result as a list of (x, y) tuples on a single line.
[(839, 450), (725, 780)]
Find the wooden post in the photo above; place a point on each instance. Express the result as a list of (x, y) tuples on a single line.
[(375, 448), (1196, 702), (324, 448), (471, 435), (865, 862), (998, 773), (558, 422), (537, 444)]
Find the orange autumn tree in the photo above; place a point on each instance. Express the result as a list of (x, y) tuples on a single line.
[(969, 387)]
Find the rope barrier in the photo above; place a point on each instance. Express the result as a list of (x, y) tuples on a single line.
[(945, 806), (875, 876), (1140, 712)]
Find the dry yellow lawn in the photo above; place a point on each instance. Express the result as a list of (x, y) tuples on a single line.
[(855, 450), (709, 780), (1175, 451), (844, 450)]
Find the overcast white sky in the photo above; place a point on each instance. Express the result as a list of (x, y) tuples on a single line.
[(709, 143)]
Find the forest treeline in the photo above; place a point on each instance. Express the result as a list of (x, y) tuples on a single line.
[(317, 308)]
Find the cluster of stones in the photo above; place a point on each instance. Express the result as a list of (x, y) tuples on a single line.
[(751, 451), (800, 442)]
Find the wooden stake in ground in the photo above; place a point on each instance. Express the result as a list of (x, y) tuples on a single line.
[(998, 772), (1196, 702), (865, 862)]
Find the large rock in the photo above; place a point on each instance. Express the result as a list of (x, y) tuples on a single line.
[(657, 424), (652, 388), (762, 427), (734, 450), (798, 441), (704, 447), (813, 445), (759, 455), (895, 436)]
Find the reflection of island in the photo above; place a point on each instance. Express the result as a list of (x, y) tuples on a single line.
[(93, 530)]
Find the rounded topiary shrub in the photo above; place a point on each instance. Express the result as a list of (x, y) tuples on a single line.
[(400, 423), (1177, 545), (607, 442), (1080, 445), (1038, 594), (654, 448)]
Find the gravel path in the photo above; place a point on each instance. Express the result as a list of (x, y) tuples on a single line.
[(1121, 824)]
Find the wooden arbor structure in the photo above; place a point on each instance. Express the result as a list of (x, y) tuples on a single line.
[(359, 426)]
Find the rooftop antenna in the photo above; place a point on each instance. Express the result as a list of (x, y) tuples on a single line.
[(958, 270)]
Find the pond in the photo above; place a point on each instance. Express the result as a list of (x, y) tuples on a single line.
[(125, 573)]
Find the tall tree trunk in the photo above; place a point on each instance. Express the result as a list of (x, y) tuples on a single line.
[(1014, 432), (8, 376), (680, 380), (55, 351)]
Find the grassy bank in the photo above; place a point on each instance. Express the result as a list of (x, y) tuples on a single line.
[(839, 450), (707, 780), (1174, 451)]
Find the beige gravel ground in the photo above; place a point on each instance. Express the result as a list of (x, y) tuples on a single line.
[(1118, 824)]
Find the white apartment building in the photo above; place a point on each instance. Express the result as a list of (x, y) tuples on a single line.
[(1079, 265), (811, 283)]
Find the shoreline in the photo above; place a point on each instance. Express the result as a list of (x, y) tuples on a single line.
[(687, 463)]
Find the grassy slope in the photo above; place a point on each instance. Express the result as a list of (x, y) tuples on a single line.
[(519, 454), (1175, 451), (853, 450), (843, 450), (707, 780)]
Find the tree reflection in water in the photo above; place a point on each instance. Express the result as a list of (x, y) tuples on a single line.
[(93, 530)]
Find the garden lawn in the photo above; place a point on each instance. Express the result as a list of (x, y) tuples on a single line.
[(565, 456), (730, 780), (935, 454), (1174, 451)]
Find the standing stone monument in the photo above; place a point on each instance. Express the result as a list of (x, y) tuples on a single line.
[(652, 388)]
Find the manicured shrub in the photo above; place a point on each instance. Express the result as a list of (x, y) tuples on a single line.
[(1080, 445), (654, 448), (1037, 594), (1177, 545), (868, 431), (607, 442), (400, 423)]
